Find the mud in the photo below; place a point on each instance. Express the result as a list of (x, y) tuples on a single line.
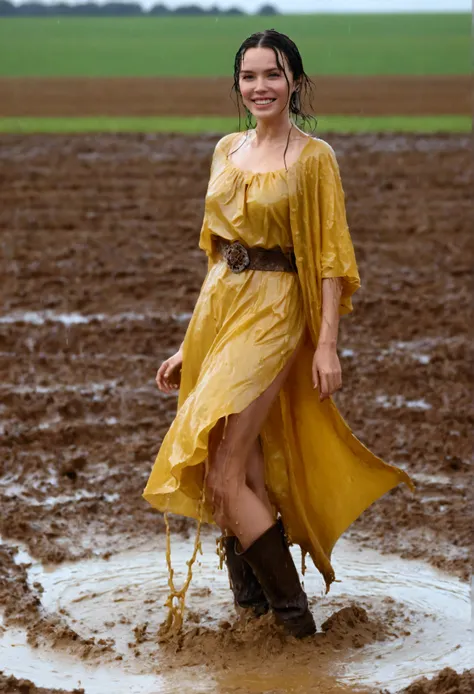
[(13, 685), (375, 618), (447, 682), (100, 271), (159, 96)]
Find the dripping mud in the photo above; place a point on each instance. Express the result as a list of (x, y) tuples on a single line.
[(100, 272)]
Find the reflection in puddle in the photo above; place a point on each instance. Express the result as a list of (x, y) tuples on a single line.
[(111, 598)]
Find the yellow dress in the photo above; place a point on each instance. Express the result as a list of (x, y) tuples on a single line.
[(242, 332)]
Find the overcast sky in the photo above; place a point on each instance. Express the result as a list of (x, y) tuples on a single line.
[(331, 5)]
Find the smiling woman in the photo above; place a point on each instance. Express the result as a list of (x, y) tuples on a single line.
[(270, 80), (257, 445)]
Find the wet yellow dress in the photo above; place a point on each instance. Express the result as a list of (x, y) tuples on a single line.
[(244, 329)]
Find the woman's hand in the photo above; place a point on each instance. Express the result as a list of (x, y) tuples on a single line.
[(168, 377), (327, 376)]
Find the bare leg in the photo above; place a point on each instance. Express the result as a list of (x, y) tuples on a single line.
[(255, 474), (215, 437), (236, 506)]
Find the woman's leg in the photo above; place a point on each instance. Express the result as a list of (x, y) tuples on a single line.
[(246, 513), (255, 468), (255, 474), (248, 592), (237, 508)]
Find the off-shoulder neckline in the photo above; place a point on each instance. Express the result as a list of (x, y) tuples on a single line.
[(249, 172)]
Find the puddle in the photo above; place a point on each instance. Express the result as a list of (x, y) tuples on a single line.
[(22, 492), (50, 669), (419, 349), (397, 401), (94, 389), (109, 598), (444, 480), (91, 388), (75, 318)]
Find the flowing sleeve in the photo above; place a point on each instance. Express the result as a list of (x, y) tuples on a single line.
[(216, 169), (337, 257), (321, 239)]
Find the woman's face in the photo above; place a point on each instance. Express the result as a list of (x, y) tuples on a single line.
[(263, 85)]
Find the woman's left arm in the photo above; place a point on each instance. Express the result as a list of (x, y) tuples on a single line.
[(327, 375)]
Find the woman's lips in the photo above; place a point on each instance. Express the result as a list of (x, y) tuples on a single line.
[(264, 102)]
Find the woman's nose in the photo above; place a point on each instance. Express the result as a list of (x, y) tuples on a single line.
[(261, 85)]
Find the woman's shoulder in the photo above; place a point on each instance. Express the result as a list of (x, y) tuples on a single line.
[(317, 159), (224, 144), (319, 147)]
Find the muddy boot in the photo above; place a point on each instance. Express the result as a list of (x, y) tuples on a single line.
[(272, 563), (247, 590)]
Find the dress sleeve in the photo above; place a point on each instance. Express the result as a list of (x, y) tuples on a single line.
[(337, 257), (217, 159)]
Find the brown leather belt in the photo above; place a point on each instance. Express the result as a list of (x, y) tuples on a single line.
[(239, 258)]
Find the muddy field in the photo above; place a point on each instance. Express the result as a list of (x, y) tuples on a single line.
[(154, 96), (99, 274)]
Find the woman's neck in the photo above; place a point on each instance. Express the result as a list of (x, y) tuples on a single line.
[(275, 132)]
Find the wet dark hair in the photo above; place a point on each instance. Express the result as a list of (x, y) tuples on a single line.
[(280, 44)]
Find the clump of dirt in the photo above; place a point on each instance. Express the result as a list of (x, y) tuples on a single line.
[(447, 681), (12, 685), (352, 627)]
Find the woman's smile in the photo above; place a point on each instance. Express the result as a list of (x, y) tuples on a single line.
[(261, 103)]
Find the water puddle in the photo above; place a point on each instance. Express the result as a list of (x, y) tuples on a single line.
[(75, 318), (96, 390), (21, 491), (51, 669), (418, 349), (435, 480), (397, 401), (123, 596), (90, 389)]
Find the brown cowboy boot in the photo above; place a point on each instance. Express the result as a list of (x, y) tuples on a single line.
[(247, 590), (271, 561)]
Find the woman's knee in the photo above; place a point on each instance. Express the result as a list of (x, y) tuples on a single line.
[(224, 485)]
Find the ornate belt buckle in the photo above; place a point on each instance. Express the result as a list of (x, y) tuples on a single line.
[(236, 257)]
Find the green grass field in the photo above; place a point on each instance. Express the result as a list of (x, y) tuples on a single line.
[(205, 46), (343, 124)]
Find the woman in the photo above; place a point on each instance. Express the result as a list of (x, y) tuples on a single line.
[(257, 444)]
